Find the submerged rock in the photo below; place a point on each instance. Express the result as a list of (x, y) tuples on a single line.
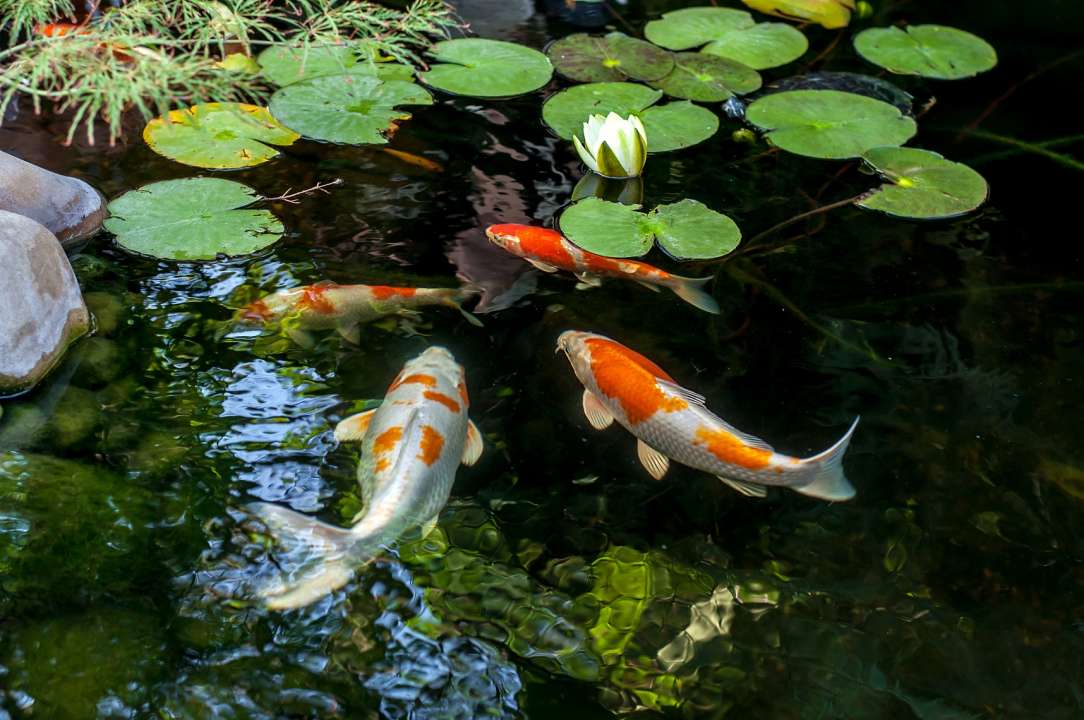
[(41, 307), (70, 208)]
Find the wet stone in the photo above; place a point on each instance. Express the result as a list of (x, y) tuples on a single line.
[(41, 308), (70, 208)]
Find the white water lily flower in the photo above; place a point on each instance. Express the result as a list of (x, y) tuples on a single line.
[(613, 146)]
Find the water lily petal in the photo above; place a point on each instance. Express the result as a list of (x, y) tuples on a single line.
[(587, 157), (592, 132), (639, 129), (608, 164)]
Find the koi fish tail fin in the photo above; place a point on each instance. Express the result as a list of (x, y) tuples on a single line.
[(829, 482), (692, 291), (466, 292), (315, 558)]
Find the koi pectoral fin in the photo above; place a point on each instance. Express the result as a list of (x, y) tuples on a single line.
[(588, 280), (353, 428), (746, 489), (597, 414), (544, 267), (653, 461), (350, 333), (472, 448), (304, 338)]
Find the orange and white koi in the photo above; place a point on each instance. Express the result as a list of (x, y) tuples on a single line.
[(549, 251), (411, 447), (672, 423), (344, 308)]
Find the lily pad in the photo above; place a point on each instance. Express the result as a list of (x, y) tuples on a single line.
[(607, 228), (923, 184), (684, 230), (218, 135), (346, 108), (669, 127), (707, 78), (831, 14), (285, 65), (191, 219), (829, 124), (476, 67), (728, 33), (613, 57), (932, 51), (873, 87)]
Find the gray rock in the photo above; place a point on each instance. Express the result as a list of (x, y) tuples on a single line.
[(41, 307), (70, 208)]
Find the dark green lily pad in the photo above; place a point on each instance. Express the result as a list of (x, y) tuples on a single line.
[(728, 33), (191, 219), (218, 135), (829, 124), (284, 65), (352, 109), (923, 184), (707, 78), (872, 87), (669, 127), (476, 67), (614, 57), (685, 230), (932, 51)]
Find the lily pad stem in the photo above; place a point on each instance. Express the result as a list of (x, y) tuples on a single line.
[(808, 214)]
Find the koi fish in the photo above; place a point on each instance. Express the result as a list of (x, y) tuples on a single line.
[(60, 29), (549, 251), (411, 447), (344, 308), (672, 423)]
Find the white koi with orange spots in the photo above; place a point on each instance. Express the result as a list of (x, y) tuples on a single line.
[(344, 308), (672, 423), (412, 446), (549, 251)]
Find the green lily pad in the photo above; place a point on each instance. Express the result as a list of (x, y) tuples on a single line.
[(923, 184), (218, 135), (607, 228), (685, 230), (285, 65), (346, 108), (707, 78), (191, 219), (729, 33), (486, 68), (829, 124), (689, 230), (614, 57), (669, 127), (932, 51)]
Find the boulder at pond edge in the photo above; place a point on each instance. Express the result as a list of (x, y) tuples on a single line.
[(41, 306), (70, 208)]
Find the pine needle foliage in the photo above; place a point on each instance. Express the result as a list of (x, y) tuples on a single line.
[(151, 56)]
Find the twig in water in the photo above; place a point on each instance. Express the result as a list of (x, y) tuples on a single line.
[(802, 216), (289, 196)]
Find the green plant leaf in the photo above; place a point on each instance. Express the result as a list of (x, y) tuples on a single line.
[(685, 230), (669, 127), (613, 57), (677, 125), (707, 78), (476, 67), (829, 124), (346, 108), (284, 65), (689, 230), (191, 219), (932, 51), (218, 135), (728, 33), (923, 184)]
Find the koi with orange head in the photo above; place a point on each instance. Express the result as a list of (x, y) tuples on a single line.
[(411, 447), (673, 423), (345, 308), (549, 251)]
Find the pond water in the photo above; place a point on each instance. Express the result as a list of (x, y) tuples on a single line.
[(562, 581)]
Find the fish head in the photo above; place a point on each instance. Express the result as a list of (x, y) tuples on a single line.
[(506, 236), (268, 308), (573, 343), (438, 362)]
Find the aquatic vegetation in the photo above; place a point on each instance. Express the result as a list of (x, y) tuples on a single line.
[(728, 33), (614, 57), (477, 67), (831, 14), (922, 184), (285, 64), (707, 78), (613, 146), (933, 51), (191, 219), (685, 230), (218, 135)]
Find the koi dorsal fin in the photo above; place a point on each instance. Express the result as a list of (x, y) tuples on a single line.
[(749, 440), (693, 398)]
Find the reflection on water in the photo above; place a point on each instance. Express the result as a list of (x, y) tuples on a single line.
[(561, 580)]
